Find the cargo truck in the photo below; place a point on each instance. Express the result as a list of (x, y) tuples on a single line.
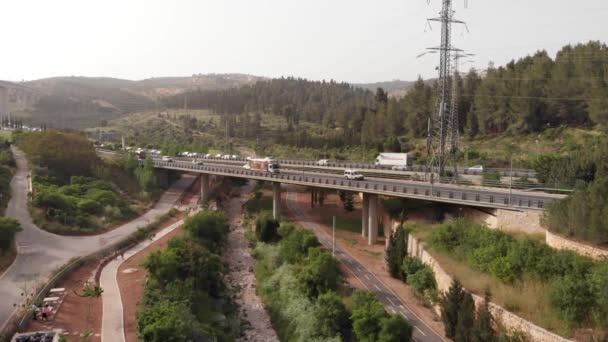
[(263, 164), (395, 160)]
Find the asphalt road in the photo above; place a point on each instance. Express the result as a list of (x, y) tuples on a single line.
[(41, 252), (449, 193), (392, 303)]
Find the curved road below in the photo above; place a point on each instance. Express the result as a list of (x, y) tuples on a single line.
[(41, 252)]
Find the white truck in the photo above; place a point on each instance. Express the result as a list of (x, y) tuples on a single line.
[(263, 164), (398, 161)]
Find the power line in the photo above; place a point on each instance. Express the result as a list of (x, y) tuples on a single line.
[(535, 97)]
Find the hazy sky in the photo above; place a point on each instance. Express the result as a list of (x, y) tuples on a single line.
[(347, 40)]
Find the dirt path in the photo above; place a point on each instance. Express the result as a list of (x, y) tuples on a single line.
[(241, 277)]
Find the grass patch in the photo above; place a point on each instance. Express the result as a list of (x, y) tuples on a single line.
[(6, 135), (349, 224)]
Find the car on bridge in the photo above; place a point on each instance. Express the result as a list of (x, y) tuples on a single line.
[(166, 159), (476, 168), (351, 174), (197, 162), (323, 162)]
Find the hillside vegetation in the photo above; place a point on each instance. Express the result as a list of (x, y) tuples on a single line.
[(528, 95), (76, 102), (76, 192)]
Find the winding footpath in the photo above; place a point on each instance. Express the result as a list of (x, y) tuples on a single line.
[(40, 252)]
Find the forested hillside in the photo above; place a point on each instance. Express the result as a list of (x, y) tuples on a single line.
[(76, 102), (525, 96)]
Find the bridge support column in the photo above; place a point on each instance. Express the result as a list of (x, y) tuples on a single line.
[(372, 235), (276, 200), (364, 214), (163, 178), (204, 187)]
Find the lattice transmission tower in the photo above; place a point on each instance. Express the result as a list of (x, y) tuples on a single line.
[(442, 135)]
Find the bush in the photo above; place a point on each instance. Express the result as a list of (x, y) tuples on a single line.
[(266, 227), (209, 227), (395, 252), (89, 206), (8, 229), (572, 297), (320, 273), (423, 281), (410, 266)]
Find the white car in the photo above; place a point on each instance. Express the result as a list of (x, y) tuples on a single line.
[(234, 156), (323, 162), (167, 159), (219, 155), (208, 155), (351, 174), (247, 167), (399, 168), (197, 162), (476, 168), (226, 156)]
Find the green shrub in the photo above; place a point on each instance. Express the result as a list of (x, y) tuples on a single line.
[(8, 229), (89, 206), (266, 227), (423, 281), (395, 252), (410, 266), (572, 297)]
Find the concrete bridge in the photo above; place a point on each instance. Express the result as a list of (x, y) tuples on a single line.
[(370, 188)]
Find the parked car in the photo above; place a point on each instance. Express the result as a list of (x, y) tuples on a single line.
[(476, 168), (351, 174), (167, 159), (323, 162)]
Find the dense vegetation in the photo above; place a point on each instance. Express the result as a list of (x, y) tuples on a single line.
[(527, 95), (583, 214), (577, 284), (301, 286), (7, 165), (77, 192), (8, 228), (185, 298)]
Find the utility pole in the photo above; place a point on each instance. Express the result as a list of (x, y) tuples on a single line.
[(441, 139)]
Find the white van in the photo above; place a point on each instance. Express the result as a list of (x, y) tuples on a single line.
[(353, 174)]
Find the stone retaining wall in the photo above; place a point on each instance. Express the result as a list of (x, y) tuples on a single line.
[(512, 322), (562, 243), (527, 221)]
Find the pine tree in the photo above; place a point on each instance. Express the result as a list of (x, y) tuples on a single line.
[(484, 332), (450, 307), (466, 319), (396, 252)]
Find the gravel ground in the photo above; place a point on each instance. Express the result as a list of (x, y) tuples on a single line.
[(241, 277)]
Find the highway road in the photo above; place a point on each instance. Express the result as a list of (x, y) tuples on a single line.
[(391, 302), (40, 252), (439, 192)]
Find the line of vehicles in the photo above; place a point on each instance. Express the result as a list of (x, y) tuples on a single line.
[(396, 161)]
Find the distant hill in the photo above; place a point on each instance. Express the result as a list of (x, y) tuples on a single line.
[(77, 102), (395, 88)]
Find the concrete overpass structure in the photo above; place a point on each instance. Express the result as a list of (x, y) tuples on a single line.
[(371, 188)]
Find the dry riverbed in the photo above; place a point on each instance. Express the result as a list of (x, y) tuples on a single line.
[(241, 277)]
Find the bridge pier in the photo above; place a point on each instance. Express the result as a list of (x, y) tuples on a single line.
[(276, 200), (372, 235), (204, 187), (163, 178), (364, 214)]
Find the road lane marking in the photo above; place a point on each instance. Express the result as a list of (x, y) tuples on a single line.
[(376, 286), (366, 276), (390, 301), (422, 332)]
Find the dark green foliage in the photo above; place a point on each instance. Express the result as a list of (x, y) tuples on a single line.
[(347, 200), (395, 252), (395, 329), (7, 164), (572, 297), (266, 227), (450, 307), (331, 316), (8, 228), (185, 298), (483, 330), (320, 273), (466, 319), (423, 281), (294, 247), (209, 227), (598, 282), (410, 266), (63, 154), (367, 316)]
